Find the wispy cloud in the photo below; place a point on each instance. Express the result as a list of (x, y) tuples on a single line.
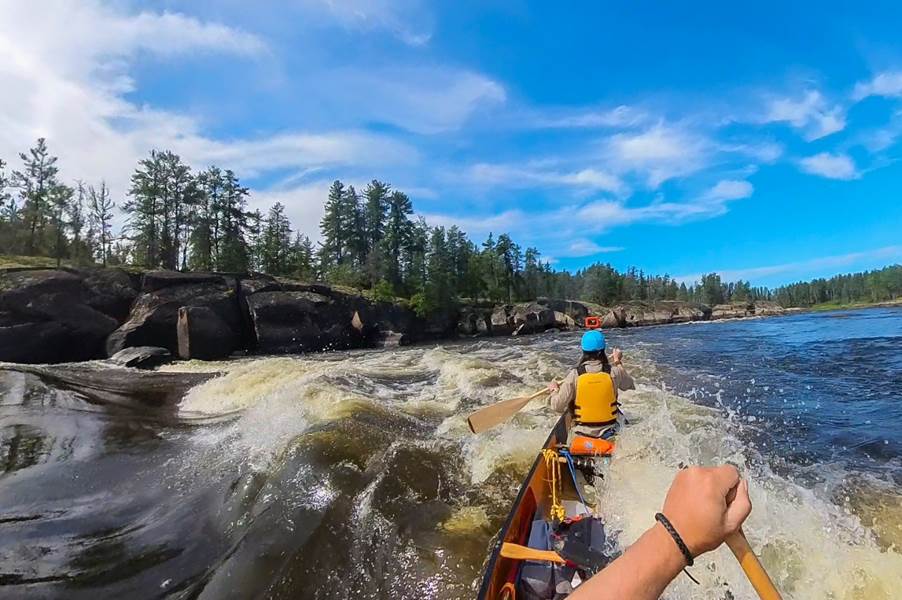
[(585, 247), (887, 83), (805, 267), (407, 20), (660, 152), (423, 99), (562, 232), (832, 166), (532, 175), (556, 118), (810, 113)]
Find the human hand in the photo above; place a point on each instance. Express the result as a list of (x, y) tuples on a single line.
[(616, 356), (706, 504), (554, 386)]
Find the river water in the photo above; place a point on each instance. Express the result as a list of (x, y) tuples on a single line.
[(353, 475)]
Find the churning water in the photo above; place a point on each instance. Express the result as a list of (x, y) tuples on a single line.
[(354, 475)]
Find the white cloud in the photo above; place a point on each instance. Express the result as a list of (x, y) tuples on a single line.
[(729, 189), (660, 152), (561, 231), (806, 267), (619, 117), (297, 150), (832, 166), (888, 83), (304, 205), (67, 67), (810, 113), (425, 100), (766, 151), (407, 20), (584, 247), (536, 174)]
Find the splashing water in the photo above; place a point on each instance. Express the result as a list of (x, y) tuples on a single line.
[(355, 475)]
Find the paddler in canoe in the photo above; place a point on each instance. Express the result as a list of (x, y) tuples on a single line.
[(553, 541), (590, 390)]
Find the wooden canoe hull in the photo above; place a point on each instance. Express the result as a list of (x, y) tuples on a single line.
[(534, 500)]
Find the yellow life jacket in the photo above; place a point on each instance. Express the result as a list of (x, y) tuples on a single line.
[(596, 401)]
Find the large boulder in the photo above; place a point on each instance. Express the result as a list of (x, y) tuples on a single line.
[(684, 313), (112, 291), (642, 314), (577, 311), (154, 315), (502, 320), (141, 357), (302, 321), (532, 317), (613, 318), (204, 335), (49, 315), (292, 316), (732, 311), (767, 308)]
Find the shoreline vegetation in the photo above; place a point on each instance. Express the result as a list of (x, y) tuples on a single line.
[(195, 271), (181, 219)]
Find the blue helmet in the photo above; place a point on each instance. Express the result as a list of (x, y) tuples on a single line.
[(593, 341)]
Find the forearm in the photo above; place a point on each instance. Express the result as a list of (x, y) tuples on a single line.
[(642, 572)]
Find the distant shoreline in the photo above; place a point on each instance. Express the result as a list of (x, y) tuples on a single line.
[(828, 306)]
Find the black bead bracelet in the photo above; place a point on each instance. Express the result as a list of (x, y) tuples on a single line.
[(660, 518)]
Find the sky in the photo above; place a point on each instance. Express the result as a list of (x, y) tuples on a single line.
[(761, 142)]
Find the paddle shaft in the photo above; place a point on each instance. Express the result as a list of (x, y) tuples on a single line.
[(518, 552), (758, 577)]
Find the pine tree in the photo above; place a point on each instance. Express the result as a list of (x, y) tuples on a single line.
[(276, 242), (255, 223), (80, 247), (9, 215), (232, 251), (414, 258), (145, 209), (354, 226), (332, 227), (100, 211), (60, 198), (205, 222), (302, 258), (376, 194), (37, 181), (398, 232)]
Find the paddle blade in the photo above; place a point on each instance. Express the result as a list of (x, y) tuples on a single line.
[(488, 417)]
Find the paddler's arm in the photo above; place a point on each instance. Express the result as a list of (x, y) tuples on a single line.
[(622, 379), (562, 394), (697, 507)]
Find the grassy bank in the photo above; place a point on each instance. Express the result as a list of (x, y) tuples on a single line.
[(826, 306)]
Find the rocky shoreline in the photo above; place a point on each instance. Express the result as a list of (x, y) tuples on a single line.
[(65, 315)]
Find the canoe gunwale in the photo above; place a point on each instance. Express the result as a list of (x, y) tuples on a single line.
[(557, 435)]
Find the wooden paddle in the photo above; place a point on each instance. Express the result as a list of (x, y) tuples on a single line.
[(518, 552), (488, 417), (758, 577)]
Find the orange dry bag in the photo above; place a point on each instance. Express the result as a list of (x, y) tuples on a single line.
[(587, 446)]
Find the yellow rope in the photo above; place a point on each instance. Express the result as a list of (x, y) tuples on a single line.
[(554, 469)]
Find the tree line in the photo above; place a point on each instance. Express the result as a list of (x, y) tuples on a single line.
[(880, 285), (181, 219)]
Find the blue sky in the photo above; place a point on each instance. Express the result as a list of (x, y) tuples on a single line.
[(761, 142)]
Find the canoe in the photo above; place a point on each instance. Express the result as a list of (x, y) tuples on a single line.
[(533, 502)]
